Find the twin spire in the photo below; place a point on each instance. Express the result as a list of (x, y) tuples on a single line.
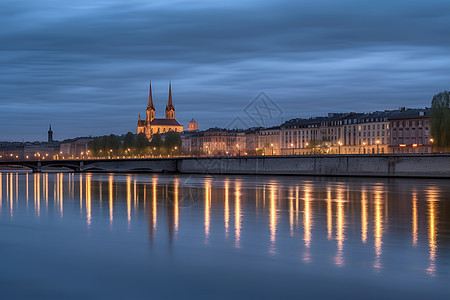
[(170, 109)]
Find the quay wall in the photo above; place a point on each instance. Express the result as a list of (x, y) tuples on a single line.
[(384, 165), (426, 165)]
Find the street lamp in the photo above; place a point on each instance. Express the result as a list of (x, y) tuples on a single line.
[(292, 146), (271, 145), (340, 144), (239, 150), (431, 140), (364, 147), (378, 143)]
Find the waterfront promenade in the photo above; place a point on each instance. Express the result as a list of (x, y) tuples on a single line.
[(388, 165)]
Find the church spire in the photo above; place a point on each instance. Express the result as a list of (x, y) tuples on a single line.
[(150, 112), (150, 99), (170, 109)]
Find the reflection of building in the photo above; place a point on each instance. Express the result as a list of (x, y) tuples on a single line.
[(410, 131), (152, 125)]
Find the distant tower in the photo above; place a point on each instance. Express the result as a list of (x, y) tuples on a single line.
[(193, 125), (170, 109), (50, 134), (150, 113)]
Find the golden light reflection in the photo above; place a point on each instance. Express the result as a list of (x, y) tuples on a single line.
[(378, 229), (81, 192), (307, 223), (364, 216), (340, 227), (88, 199), (273, 217), (37, 200), (297, 209), (227, 208), (237, 216), (291, 211), (46, 190), (432, 199), (207, 207), (11, 194), (329, 214), (176, 204), (129, 199), (154, 204), (111, 198), (414, 219), (61, 195)]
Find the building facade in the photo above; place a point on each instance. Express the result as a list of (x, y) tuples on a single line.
[(410, 131)]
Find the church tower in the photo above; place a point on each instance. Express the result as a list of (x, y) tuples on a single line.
[(150, 113), (170, 109), (50, 134)]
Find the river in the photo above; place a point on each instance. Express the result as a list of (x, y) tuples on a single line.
[(153, 236)]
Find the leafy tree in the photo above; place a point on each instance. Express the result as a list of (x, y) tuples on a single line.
[(141, 142), (156, 141), (440, 119), (129, 141), (173, 139)]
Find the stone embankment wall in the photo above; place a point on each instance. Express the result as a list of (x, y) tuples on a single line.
[(427, 165)]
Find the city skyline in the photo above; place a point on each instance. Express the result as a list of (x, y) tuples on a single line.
[(85, 68)]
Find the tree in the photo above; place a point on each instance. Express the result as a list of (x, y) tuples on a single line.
[(173, 139), (141, 142), (156, 141), (129, 141), (440, 119)]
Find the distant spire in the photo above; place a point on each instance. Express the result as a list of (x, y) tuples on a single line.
[(50, 127), (139, 118), (150, 99), (169, 104)]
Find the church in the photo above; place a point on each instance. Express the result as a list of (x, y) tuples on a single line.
[(152, 125)]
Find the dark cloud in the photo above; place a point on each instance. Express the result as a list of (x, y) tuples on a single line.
[(85, 66)]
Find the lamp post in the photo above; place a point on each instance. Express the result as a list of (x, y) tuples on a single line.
[(431, 140), (364, 147), (340, 144), (239, 150), (292, 146), (271, 145), (378, 143)]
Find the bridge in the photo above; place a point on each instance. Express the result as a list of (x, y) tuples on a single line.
[(372, 165), (96, 165)]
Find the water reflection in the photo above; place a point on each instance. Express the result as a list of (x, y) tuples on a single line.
[(349, 215), (432, 229)]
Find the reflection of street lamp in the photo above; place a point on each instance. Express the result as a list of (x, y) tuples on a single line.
[(378, 143), (340, 144)]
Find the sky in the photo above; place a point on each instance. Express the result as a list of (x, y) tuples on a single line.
[(85, 66)]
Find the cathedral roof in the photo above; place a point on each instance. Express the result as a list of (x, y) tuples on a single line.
[(164, 122), (192, 121)]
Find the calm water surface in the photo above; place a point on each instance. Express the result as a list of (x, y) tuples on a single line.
[(119, 236)]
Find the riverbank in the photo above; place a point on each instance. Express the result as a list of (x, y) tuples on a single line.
[(388, 165)]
